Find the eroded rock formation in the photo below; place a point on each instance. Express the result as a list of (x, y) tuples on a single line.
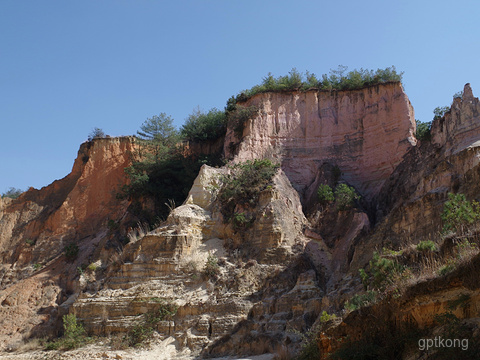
[(364, 132), (272, 278), (35, 228)]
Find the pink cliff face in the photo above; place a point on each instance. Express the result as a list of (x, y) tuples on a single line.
[(364, 132)]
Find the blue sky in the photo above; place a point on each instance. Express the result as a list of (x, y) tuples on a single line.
[(69, 66)]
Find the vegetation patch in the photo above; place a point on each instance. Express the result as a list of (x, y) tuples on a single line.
[(325, 194), (458, 213), (423, 131), (243, 185), (160, 170), (141, 332), (12, 193), (201, 126), (361, 300), (74, 335), (338, 79), (426, 246), (238, 116), (71, 251), (344, 196)]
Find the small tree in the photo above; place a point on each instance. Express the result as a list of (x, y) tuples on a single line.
[(440, 111), (158, 135), (12, 193), (201, 126), (325, 194), (74, 333), (423, 130), (96, 133), (345, 196)]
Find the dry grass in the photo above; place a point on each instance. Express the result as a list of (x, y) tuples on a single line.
[(139, 232), (421, 266), (193, 262)]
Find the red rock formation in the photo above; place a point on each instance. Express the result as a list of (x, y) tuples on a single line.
[(365, 132), (35, 228), (68, 209)]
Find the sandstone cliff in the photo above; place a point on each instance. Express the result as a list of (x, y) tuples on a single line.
[(272, 278), (35, 228), (364, 132), (414, 194)]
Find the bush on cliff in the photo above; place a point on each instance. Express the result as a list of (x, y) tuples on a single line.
[(325, 194), (423, 130), (12, 193), (337, 79), (160, 170), (74, 335), (244, 184), (201, 126), (345, 197), (458, 213), (440, 112)]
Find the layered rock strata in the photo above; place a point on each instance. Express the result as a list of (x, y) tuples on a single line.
[(167, 265), (364, 132)]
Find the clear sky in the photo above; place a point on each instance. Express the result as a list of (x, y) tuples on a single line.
[(69, 66)]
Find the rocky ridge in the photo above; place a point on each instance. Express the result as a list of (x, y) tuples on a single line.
[(274, 278)]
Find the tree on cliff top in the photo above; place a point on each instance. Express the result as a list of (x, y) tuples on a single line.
[(12, 193), (158, 135), (95, 134)]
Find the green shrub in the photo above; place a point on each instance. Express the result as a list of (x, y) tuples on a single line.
[(71, 251), (423, 130), (12, 193), (381, 272), (382, 269), (309, 346), (458, 212), (92, 267), (447, 268), (30, 242), (143, 330), (74, 335), (338, 79), (201, 126), (244, 184), (360, 300), (458, 95), (239, 221), (324, 316), (427, 245), (440, 112), (365, 278), (466, 248), (325, 194), (345, 196)]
